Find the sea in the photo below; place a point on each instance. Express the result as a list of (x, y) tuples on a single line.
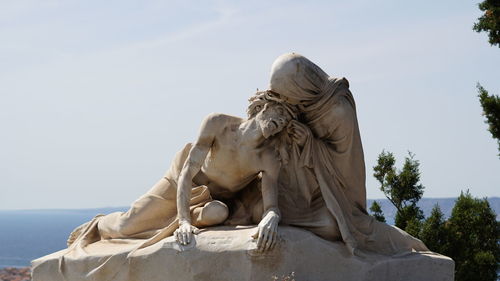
[(29, 234), (26, 235)]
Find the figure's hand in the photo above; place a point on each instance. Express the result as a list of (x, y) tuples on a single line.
[(184, 233), (267, 231), (299, 132)]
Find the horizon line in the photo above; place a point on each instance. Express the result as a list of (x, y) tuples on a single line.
[(124, 207)]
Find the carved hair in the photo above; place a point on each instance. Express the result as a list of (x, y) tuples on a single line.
[(261, 98), (280, 141)]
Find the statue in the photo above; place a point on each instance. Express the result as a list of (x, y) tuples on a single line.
[(229, 154), (322, 185), (297, 161)]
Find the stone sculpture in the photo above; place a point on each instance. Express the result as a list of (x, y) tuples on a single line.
[(296, 160), (229, 154), (322, 185)]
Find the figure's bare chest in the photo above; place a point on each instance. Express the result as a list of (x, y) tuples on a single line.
[(231, 165)]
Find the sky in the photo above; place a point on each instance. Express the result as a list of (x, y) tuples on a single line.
[(97, 96)]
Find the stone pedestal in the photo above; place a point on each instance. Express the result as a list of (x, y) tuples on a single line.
[(228, 253)]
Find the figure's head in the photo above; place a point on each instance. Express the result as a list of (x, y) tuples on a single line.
[(271, 114), (296, 79)]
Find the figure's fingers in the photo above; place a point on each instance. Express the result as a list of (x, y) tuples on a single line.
[(178, 236), (297, 130), (269, 237), (298, 127), (295, 124), (269, 241), (296, 136), (302, 129), (299, 124), (184, 238), (263, 239), (260, 238), (300, 133), (275, 240), (195, 230), (256, 234)]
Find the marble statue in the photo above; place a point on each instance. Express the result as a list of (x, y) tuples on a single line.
[(322, 185), (296, 161), (229, 154)]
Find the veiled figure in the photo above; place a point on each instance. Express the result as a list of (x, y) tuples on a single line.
[(322, 183)]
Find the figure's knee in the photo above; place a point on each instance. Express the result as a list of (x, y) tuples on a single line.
[(213, 213), (115, 225), (328, 233), (329, 230)]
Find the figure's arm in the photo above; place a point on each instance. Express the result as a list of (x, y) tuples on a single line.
[(191, 167), (299, 132), (267, 232)]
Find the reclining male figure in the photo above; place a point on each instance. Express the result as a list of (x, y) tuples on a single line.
[(230, 152)]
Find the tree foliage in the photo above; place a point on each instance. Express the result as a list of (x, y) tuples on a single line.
[(377, 211), (473, 239), (402, 188), (410, 219), (434, 233), (489, 21), (491, 110)]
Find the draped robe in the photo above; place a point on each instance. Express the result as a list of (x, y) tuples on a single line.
[(328, 171)]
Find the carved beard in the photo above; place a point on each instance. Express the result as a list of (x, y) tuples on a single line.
[(268, 128)]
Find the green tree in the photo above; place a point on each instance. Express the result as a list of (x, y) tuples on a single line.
[(434, 232), (491, 110), (377, 211), (402, 188), (473, 239), (489, 21), (410, 219)]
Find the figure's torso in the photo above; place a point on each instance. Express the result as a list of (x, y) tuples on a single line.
[(231, 163)]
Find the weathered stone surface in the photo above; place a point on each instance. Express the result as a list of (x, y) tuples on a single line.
[(226, 253)]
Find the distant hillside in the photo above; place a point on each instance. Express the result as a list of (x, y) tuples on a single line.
[(426, 204)]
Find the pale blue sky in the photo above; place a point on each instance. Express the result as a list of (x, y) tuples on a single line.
[(97, 96)]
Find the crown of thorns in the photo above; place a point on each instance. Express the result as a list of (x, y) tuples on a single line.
[(262, 97)]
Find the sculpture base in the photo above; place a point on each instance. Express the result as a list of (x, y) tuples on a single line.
[(228, 253)]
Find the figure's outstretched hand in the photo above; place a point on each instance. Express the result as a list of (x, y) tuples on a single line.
[(299, 132), (267, 231), (184, 233)]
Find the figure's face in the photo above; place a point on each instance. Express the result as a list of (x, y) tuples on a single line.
[(272, 119)]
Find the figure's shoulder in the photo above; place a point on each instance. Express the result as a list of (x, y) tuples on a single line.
[(220, 119)]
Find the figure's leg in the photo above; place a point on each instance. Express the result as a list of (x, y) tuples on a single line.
[(318, 220), (392, 240), (152, 211), (329, 231), (212, 213), (76, 233)]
